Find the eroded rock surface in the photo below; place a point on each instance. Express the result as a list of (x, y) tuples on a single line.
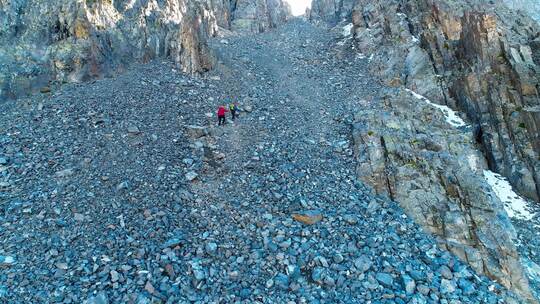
[(480, 59), (405, 148), (331, 11), (476, 57), (68, 41)]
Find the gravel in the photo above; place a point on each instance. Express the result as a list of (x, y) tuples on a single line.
[(108, 197)]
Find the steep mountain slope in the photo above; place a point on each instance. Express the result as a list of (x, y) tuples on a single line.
[(123, 190), (474, 57), (481, 60), (73, 41)]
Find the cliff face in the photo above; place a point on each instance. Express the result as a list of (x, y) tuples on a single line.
[(406, 147), (258, 15), (331, 11), (70, 41), (480, 59)]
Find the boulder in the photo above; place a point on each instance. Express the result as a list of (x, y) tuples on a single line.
[(309, 217), (196, 132)]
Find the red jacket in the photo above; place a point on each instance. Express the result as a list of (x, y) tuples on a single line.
[(221, 111)]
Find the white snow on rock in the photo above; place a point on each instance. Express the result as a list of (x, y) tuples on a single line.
[(347, 30), (451, 115), (474, 162), (515, 205)]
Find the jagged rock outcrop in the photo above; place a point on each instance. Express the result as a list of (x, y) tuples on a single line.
[(406, 149), (331, 11), (68, 41), (258, 15), (71, 41), (481, 59)]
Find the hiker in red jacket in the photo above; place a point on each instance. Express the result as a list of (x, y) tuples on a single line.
[(221, 115)]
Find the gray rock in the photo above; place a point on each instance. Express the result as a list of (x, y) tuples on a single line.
[(338, 258), (191, 176), (122, 186), (211, 247), (447, 286), (133, 130), (408, 284), (466, 286), (423, 289), (446, 272), (114, 276), (100, 298), (363, 263), (7, 260), (282, 281), (173, 242), (385, 279), (317, 275)]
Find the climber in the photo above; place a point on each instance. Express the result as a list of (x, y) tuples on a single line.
[(233, 107), (221, 115)]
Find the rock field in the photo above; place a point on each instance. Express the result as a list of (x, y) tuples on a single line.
[(124, 190)]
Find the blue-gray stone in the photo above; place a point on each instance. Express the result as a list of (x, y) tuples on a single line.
[(100, 298), (245, 293), (417, 275), (466, 286), (173, 242), (447, 286), (282, 281), (317, 275), (385, 279), (408, 284)]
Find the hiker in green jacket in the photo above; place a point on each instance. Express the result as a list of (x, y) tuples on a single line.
[(233, 107)]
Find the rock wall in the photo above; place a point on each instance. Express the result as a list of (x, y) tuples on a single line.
[(406, 148), (331, 11), (73, 41), (482, 59), (259, 15)]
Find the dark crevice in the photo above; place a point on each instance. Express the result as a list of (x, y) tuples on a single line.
[(387, 173)]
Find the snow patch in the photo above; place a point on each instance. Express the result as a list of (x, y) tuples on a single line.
[(451, 116), (473, 162), (414, 39), (515, 205), (347, 30)]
